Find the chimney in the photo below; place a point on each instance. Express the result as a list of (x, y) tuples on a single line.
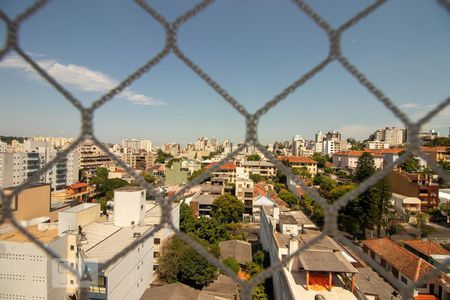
[(293, 246)]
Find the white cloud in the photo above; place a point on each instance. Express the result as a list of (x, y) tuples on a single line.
[(78, 77), (409, 105)]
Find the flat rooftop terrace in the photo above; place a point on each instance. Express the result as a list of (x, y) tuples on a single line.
[(45, 236)]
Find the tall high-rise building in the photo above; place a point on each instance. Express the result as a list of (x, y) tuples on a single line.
[(319, 137), (17, 167), (137, 144)]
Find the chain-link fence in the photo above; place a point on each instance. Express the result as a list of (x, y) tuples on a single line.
[(172, 46)]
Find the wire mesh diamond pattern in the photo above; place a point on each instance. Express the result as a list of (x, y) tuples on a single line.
[(171, 46)]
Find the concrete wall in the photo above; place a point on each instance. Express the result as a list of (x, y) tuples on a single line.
[(133, 274), (39, 197), (80, 215), (280, 282), (129, 207)]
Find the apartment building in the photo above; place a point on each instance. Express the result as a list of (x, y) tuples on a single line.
[(376, 145), (17, 167), (392, 136), (263, 168), (79, 191), (404, 267), (137, 144), (91, 158), (227, 172), (437, 154), (34, 204), (244, 190), (299, 162), (28, 272), (349, 159), (332, 146), (415, 185)]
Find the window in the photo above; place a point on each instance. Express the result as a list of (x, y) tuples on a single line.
[(155, 254), (71, 282), (142, 207), (395, 272), (72, 247), (404, 280), (157, 241)]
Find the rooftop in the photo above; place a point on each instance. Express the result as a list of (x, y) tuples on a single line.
[(297, 159), (257, 164), (427, 248), (356, 153), (239, 250), (403, 260), (173, 291), (264, 201), (223, 287), (80, 207), (299, 217), (129, 189), (225, 166), (205, 199), (325, 261), (78, 185), (106, 240), (45, 236)]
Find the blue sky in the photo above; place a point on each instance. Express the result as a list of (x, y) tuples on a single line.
[(253, 48)]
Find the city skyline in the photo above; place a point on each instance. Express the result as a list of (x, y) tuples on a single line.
[(406, 62)]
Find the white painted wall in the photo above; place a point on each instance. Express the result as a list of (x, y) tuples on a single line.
[(129, 207), (133, 274)]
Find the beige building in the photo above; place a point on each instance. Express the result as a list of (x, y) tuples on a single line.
[(301, 162), (91, 158), (35, 202), (263, 168)]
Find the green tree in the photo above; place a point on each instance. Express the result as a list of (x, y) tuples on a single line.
[(196, 174), (321, 159), (259, 293), (179, 263), (253, 157), (422, 220), (105, 187), (256, 178), (382, 195), (411, 164), (326, 184), (288, 197), (149, 177), (232, 264), (339, 191), (227, 209), (440, 141), (211, 230), (366, 205), (162, 157), (187, 219)]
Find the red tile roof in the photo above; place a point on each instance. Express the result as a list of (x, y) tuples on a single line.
[(258, 189), (427, 248), (357, 153), (403, 260), (435, 149), (297, 159), (78, 185), (385, 151), (225, 166)]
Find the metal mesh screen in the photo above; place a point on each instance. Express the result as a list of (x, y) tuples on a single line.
[(172, 46)]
